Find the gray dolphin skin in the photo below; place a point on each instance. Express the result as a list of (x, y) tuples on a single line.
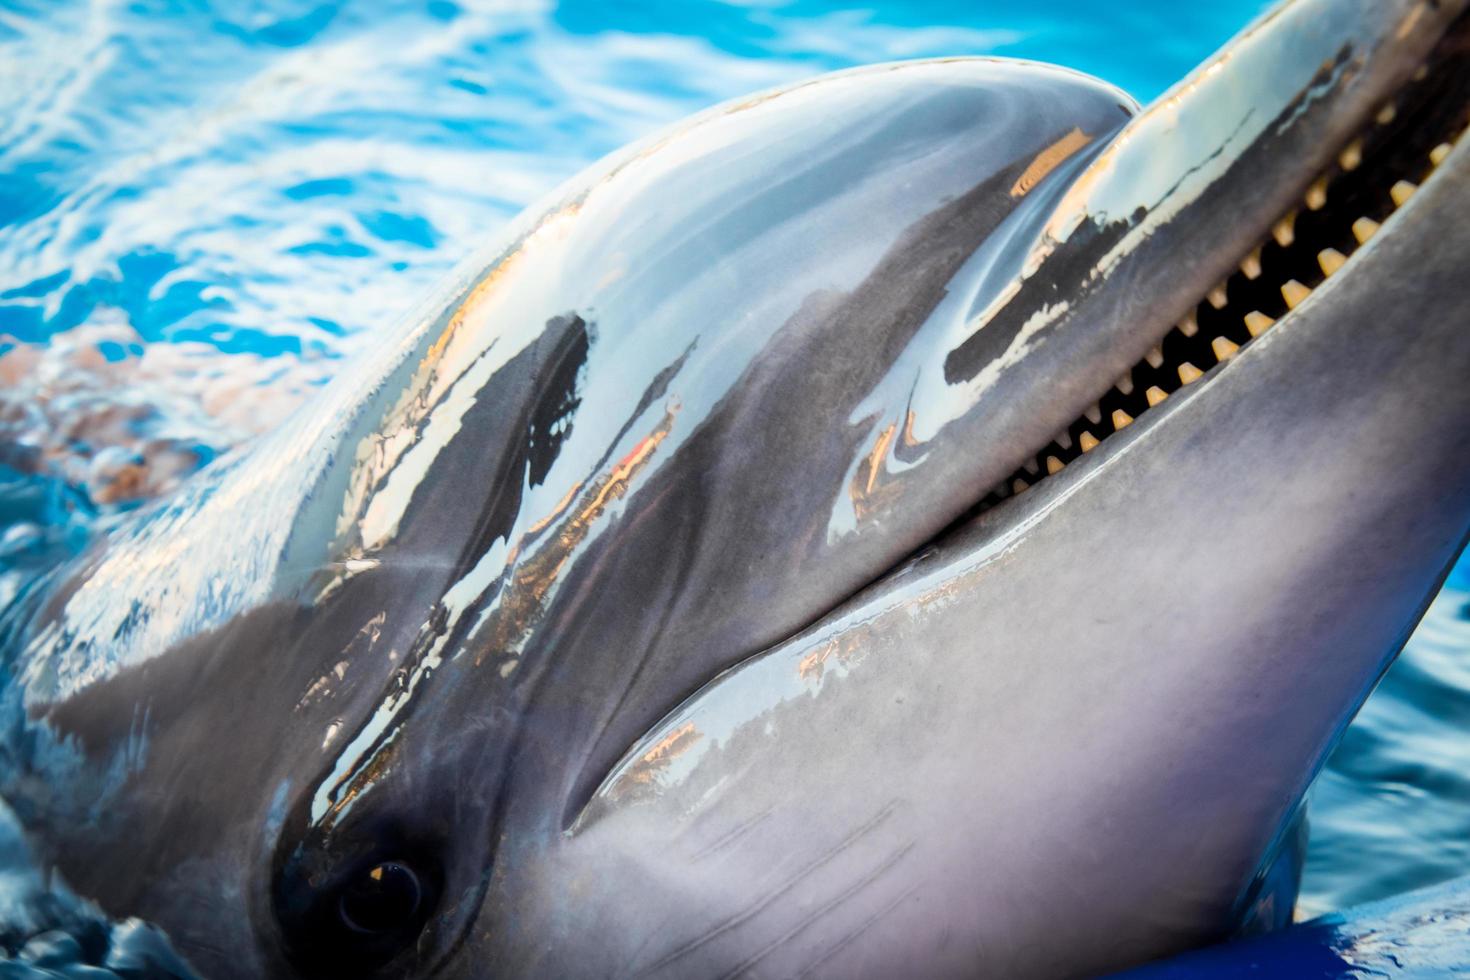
[(932, 520)]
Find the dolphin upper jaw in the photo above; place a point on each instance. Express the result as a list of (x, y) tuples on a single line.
[(1167, 212)]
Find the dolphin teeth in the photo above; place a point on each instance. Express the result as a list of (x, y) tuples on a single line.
[(1284, 231), (1294, 293), (1364, 229), (1316, 196), (1258, 323), (1251, 264), (1264, 266), (1330, 259)]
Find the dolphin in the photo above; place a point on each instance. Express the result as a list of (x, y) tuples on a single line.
[(934, 519)]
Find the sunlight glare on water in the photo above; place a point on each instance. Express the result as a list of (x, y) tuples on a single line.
[(206, 206)]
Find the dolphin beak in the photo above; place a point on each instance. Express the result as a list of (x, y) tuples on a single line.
[(1248, 178), (1368, 175)]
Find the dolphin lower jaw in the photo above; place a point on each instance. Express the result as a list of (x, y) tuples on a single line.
[(1374, 175)]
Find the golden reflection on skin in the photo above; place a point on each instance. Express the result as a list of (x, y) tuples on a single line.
[(810, 667), (1410, 22), (847, 648), (869, 492), (909, 439), (362, 780), (556, 511), (1048, 160), (524, 599), (367, 637), (644, 775), (1214, 97), (554, 227)]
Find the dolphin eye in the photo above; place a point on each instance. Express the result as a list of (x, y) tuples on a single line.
[(362, 917), (381, 900)]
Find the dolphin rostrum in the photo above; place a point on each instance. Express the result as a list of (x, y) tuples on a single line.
[(933, 519)]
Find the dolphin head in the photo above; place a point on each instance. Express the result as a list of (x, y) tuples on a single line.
[(871, 523)]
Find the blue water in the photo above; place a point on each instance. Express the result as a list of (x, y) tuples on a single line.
[(206, 206)]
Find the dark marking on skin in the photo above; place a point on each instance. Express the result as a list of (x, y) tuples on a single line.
[(551, 414), (728, 838), (657, 389), (805, 921), (735, 921), (538, 391), (849, 937), (1070, 265)]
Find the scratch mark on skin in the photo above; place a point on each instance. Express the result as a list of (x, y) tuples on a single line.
[(731, 836), (734, 922), (861, 928), (822, 910)]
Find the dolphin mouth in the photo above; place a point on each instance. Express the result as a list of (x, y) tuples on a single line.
[(1374, 174)]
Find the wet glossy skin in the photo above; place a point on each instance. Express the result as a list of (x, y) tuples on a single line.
[(588, 485), (1135, 739), (718, 385)]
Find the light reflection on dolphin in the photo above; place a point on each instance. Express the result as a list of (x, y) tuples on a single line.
[(741, 416)]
